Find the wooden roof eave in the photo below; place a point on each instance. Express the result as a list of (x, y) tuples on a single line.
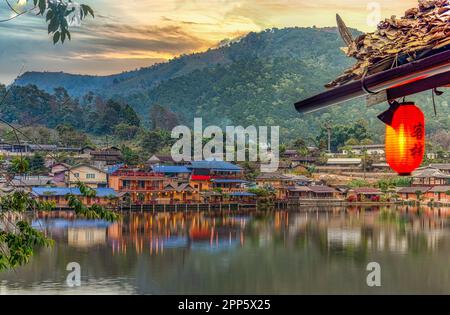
[(408, 79)]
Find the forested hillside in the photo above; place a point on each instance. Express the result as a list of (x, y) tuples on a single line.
[(255, 80)]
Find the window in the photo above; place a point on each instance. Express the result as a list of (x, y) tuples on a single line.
[(77, 175), (141, 184), (90, 176)]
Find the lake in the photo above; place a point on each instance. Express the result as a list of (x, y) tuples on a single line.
[(296, 251)]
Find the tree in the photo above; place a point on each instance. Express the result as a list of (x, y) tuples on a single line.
[(68, 136), (37, 164), (154, 141), (162, 118), (18, 239), (125, 131), (130, 156), (340, 134), (58, 14)]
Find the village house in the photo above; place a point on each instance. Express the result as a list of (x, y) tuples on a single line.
[(430, 176), (227, 185), (339, 165), (141, 186), (281, 183), (324, 192), (177, 173), (183, 193), (110, 156), (370, 149), (104, 196), (413, 193), (203, 172), (439, 194), (58, 172), (242, 197), (27, 183), (159, 159), (443, 167), (91, 176), (364, 194)]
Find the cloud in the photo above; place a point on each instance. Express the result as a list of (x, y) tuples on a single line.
[(136, 33)]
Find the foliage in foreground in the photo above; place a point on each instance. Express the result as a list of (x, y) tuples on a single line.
[(18, 239)]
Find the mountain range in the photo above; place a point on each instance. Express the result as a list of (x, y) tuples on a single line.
[(251, 81)]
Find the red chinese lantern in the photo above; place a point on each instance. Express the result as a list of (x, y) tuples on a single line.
[(405, 137)]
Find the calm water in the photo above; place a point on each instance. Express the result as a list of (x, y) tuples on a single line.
[(280, 252)]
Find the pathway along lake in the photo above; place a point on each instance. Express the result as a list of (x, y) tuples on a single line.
[(278, 252)]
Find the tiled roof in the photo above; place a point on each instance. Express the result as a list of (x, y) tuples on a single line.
[(299, 189), (322, 189), (170, 169), (441, 166), (215, 165), (442, 189), (413, 189), (63, 191), (429, 172), (367, 190), (272, 176)]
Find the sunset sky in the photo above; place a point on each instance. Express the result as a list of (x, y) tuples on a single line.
[(134, 33)]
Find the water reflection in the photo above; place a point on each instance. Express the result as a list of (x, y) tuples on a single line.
[(297, 251)]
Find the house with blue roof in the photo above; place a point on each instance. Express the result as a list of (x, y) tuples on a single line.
[(104, 196), (181, 173), (207, 175)]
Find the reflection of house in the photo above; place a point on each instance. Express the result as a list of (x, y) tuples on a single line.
[(104, 196), (430, 176), (141, 186), (89, 175), (85, 237), (343, 237)]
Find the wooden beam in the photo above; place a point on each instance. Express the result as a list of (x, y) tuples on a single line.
[(407, 74)]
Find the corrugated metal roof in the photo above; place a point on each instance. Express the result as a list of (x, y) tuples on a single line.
[(215, 165), (170, 169)]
